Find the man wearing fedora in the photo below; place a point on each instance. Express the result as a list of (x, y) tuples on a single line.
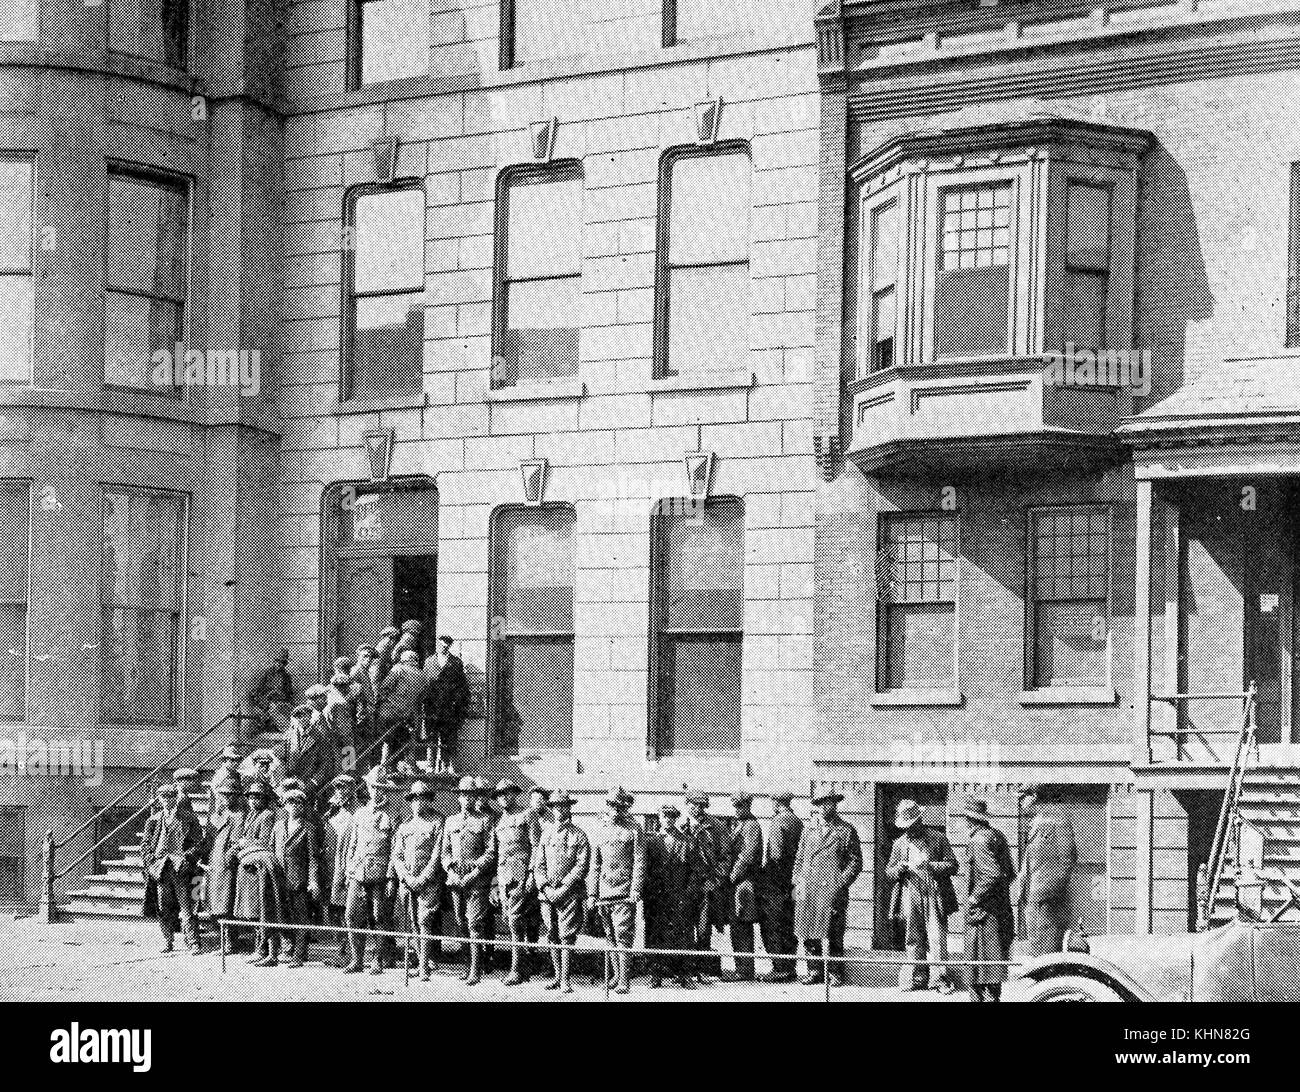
[(467, 860), (745, 854), (1043, 886), (560, 868), (710, 902), (169, 855), (296, 843), (367, 853), (671, 871), (617, 879), (828, 861), (921, 866), (513, 850), (417, 868), (776, 887), (989, 919)]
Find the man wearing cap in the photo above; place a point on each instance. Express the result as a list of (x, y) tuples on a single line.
[(296, 844), (513, 850), (398, 699), (273, 689), (1043, 886), (334, 830), (745, 854), (363, 687), (228, 770), (340, 718), (560, 868), (263, 765), (710, 903), (169, 855), (989, 919), (776, 888), (921, 866), (384, 658), (828, 861), (259, 895), (225, 827), (672, 871), (310, 756), (408, 638), (417, 869), (448, 697), (617, 879), (367, 855), (467, 860)]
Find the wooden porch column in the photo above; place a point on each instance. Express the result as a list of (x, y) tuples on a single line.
[(1145, 855), (1142, 628)]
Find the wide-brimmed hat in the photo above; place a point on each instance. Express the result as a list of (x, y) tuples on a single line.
[(468, 784), (827, 796), (559, 796), (696, 796), (975, 809), (908, 814), (293, 794), (504, 786), (782, 797), (742, 797), (619, 798), (344, 780), (420, 789), (378, 778)]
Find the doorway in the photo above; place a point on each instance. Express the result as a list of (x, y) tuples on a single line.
[(379, 591)]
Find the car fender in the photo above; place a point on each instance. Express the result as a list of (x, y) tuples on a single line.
[(1086, 965)]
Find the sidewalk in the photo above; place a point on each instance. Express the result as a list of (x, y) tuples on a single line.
[(120, 961)]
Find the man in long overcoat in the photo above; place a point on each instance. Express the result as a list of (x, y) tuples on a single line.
[(828, 861), (333, 835), (745, 854), (169, 855), (921, 866), (710, 899), (296, 842), (1043, 887), (447, 700), (672, 872), (225, 828), (776, 887), (259, 895), (989, 919)]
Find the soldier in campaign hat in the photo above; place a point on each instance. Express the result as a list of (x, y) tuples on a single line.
[(468, 861), (366, 854), (617, 879), (417, 868), (560, 868), (513, 849)]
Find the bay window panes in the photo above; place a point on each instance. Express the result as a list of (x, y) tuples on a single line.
[(532, 628), (707, 264), (393, 39), (540, 295), (15, 530), (972, 291), (17, 294), (386, 312), (544, 29), (1086, 286), (697, 20), (883, 275), (916, 591), (154, 30), (1070, 582), (147, 257), (141, 596), (698, 622)]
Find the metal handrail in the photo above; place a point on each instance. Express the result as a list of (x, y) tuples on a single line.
[(1231, 796)]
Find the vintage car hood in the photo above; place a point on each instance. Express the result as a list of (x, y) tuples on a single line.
[(1184, 966)]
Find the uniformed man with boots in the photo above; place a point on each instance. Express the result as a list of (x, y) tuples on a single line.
[(169, 855), (367, 854), (560, 868), (513, 850), (467, 861), (745, 854), (417, 868), (776, 888), (617, 880)]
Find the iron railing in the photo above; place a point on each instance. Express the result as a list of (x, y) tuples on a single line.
[(1228, 828)]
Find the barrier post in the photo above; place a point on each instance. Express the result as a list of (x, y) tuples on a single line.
[(222, 924), (826, 966), (606, 973)]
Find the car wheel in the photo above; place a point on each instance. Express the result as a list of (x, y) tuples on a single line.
[(1073, 988)]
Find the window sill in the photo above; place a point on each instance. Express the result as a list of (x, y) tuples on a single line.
[(922, 698), (538, 392), (1069, 695), (732, 379), (374, 405)]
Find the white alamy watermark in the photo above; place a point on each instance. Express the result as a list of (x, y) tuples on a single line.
[(919, 751), (182, 367), (36, 756), (1074, 367)]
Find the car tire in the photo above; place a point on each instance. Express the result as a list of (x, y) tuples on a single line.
[(1070, 987)]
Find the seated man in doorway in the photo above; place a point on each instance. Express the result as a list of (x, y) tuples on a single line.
[(273, 694)]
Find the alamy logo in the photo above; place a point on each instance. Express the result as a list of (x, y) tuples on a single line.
[(1074, 367), (184, 367)]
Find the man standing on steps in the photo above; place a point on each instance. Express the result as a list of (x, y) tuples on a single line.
[(513, 850), (227, 771), (398, 699), (258, 894), (776, 888), (560, 869), (617, 879), (169, 856), (417, 868), (448, 698), (467, 860), (367, 853)]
